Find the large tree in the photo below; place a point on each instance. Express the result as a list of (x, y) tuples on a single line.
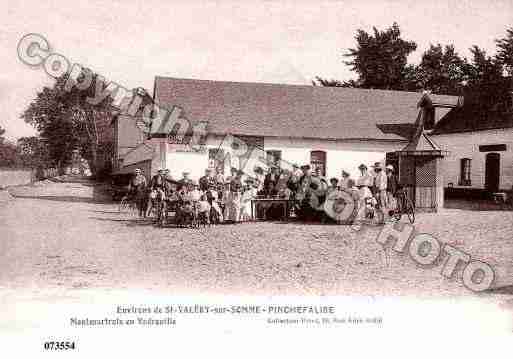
[(380, 59), (67, 119)]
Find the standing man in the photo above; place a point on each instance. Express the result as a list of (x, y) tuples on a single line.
[(207, 180), (137, 188), (158, 182), (157, 186), (270, 181), (236, 194), (219, 177), (380, 185), (364, 183), (392, 185)]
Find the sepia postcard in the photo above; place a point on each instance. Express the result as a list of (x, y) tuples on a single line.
[(256, 178)]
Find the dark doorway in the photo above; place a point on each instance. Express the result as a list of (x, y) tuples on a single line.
[(492, 172)]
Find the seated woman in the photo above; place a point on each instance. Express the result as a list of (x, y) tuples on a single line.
[(333, 185)]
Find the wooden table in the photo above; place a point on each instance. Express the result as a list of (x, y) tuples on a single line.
[(267, 203)]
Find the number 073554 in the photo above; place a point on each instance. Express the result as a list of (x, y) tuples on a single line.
[(56, 345)]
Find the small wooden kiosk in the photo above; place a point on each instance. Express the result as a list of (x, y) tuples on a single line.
[(419, 163), (420, 172)]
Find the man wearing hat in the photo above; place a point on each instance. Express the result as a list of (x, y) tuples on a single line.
[(207, 180), (392, 185), (270, 181), (158, 185), (158, 181), (249, 193), (380, 185), (364, 182), (137, 188)]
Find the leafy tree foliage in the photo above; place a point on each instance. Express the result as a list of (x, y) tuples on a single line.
[(487, 88), (441, 70), (505, 51), (380, 58), (67, 119), (34, 152)]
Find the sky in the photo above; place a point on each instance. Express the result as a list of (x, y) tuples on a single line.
[(132, 41)]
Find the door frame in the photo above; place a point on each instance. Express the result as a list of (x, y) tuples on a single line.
[(489, 157)]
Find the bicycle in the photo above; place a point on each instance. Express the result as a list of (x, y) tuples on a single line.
[(127, 204), (404, 206)]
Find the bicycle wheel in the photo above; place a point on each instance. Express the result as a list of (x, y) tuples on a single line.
[(399, 208), (410, 210), (160, 214), (123, 205)]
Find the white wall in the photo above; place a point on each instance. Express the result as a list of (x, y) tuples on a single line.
[(340, 155), (13, 177), (466, 145), (347, 155)]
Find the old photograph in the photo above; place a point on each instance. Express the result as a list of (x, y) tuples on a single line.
[(320, 174)]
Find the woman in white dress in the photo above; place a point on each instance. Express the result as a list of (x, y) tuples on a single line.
[(249, 193), (364, 184)]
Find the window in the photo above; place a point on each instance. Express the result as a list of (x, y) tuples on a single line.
[(216, 159), (273, 157), (465, 172), (318, 162)]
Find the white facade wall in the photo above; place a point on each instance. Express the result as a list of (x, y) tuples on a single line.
[(347, 155), (466, 145), (340, 155)]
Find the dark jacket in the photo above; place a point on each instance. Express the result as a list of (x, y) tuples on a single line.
[(270, 182), (392, 185), (205, 182)]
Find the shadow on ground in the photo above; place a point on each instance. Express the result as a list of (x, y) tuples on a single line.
[(66, 198), (477, 205), (128, 222)]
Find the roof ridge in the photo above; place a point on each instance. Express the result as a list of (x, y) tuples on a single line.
[(338, 88)]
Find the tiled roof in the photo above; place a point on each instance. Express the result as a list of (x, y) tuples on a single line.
[(298, 111), (470, 118)]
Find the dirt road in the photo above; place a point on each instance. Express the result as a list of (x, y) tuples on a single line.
[(68, 235)]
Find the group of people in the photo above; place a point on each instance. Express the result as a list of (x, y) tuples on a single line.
[(228, 199), (211, 199)]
